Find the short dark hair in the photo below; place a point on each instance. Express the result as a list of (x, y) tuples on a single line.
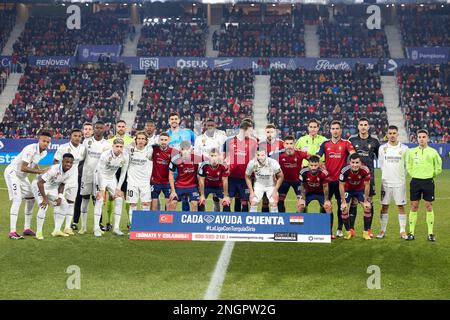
[(271, 126), (45, 134), (422, 131), (314, 121), (68, 155), (289, 138), (164, 134), (214, 150), (392, 127), (336, 122), (355, 156), (173, 114), (100, 122), (150, 121), (363, 119), (121, 121), (314, 159), (249, 120), (245, 125), (75, 130)]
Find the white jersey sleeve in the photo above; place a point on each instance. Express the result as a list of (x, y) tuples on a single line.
[(393, 164), (250, 167)]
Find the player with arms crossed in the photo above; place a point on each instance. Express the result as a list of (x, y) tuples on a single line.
[(354, 183), (49, 188), (71, 188), (392, 157), (268, 179), (95, 146), (423, 164), (19, 187), (290, 161), (213, 178), (139, 173), (185, 186), (162, 154), (314, 186), (105, 181)]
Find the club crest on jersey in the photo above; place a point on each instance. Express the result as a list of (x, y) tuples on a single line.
[(90, 142), (109, 159)]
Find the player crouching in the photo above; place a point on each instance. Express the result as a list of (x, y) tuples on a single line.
[(213, 179), (49, 188), (105, 180), (354, 183), (268, 179)]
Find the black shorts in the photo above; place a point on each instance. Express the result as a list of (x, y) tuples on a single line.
[(421, 189)]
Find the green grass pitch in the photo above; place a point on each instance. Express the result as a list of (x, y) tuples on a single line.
[(117, 268)]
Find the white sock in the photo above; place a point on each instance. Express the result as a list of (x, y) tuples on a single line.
[(402, 222), (29, 205), (130, 213), (97, 213), (69, 214), (117, 212), (84, 210), (253, 209), (217, 206), (14, 214), (41, 218), (384, 221), (273, 209), (59, 213)]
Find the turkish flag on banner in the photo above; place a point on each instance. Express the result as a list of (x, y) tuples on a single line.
[(166, 218)]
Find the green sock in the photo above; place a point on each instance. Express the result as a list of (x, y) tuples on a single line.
[(109, 210), (430, 221), (412, 221)]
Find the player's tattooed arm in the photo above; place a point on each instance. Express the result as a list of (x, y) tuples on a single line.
[(366, 194), (226, 197), (201, 187), (342, 193), (24, 168)]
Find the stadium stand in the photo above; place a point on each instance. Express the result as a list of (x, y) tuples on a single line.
[(425, 100), (349, 38), (299, 95), (4, 74), (8, 19), (424, 26), (49, 36), (173, 39), (59, 100), (225, 96)]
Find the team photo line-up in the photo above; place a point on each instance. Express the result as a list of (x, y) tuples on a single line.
[(187, 169)]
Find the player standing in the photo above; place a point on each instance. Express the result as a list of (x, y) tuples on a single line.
[(336, 151), (367, 147), (95, 146), (423, 164), (139, 173), (49, 188), (354, 184), (150, 130), (312, 141), (392, 157), (78, 151), (213, 179), (105, 181), (19, 187), (268, 179), (185, 185), (238, 151), (162, 154), (290, 161)]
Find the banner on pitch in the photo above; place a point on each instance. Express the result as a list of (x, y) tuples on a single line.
[(231, 226), (10, 148)]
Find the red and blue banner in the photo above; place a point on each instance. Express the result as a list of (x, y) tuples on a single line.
[(10, 148), (231, 226)]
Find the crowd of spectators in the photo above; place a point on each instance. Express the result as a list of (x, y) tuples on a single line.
[(196, 94), (49, 36), (425, 27), (300, 95), (351, 39), (59, 100), (281, 39), (173, 39), (425, 100), (4, 74), (8, 19)]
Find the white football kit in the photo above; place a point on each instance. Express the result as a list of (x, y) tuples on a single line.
[(94, 150), (17, 181), (204, 143), (105, 172), (79, 154), (53, 178), (139, 174), (393, 173), (264, 177)]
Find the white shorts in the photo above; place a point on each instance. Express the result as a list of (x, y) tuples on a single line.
[(110, 186), (259, 193), (70, 192), (87, 188), (52, 194), (397, 193), (17, 188), (136, 192)]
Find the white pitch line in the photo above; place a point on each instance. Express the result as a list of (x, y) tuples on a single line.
[(218, 277)]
